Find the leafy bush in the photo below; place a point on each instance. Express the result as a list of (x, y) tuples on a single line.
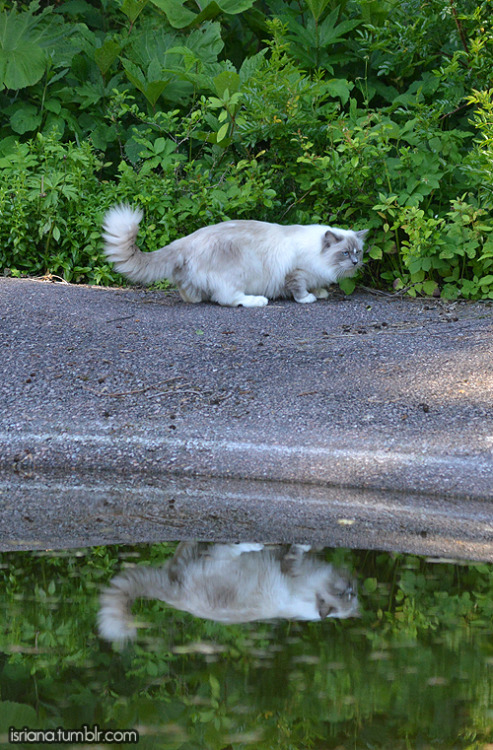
[(363, 114), (42, 228)]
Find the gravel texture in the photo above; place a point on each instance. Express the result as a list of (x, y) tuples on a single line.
[(326, 423)]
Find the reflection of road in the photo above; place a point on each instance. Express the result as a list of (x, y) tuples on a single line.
[(103, 510), (112, 392)]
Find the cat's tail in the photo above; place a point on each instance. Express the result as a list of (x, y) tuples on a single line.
[(115, 621), (121, 225)]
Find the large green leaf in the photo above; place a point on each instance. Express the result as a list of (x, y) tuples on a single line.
[(16, 715), (22, 66), (22, 61), (28, 39), (206, 43)]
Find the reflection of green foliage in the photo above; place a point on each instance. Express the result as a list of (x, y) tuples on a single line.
[(414, 669)]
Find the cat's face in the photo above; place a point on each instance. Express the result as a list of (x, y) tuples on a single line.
[(339, 597), (345, 254)]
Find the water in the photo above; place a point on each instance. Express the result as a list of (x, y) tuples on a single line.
[(414, 670)]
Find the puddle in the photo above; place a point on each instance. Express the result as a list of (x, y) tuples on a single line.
[(413, 669)]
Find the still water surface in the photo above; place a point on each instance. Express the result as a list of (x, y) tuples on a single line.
[(414, 669)]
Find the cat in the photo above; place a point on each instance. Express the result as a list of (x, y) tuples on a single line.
[(238, 262), (231, 583)]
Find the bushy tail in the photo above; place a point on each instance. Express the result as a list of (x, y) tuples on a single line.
[(115, 622), (120, 226)]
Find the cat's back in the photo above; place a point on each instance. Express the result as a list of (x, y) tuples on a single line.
[(239, 228)]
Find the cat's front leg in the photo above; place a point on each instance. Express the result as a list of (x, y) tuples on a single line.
[(292, 561), (184, 554), (295, 284), (321, 292)]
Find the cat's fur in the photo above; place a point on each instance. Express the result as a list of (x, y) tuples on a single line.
[(232, 583), (238, 262)]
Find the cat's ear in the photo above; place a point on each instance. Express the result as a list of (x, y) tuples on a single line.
[(331, 238), (361, 233)]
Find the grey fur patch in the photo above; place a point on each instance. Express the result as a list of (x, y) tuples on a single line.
[(295, 284), (331, 238)]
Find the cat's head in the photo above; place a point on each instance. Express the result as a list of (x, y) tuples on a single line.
[(344, 252), (338, 597)]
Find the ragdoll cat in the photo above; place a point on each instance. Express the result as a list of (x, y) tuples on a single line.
[(238, 262), (231, 583)]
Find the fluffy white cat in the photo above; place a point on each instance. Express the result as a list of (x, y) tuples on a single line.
[(232, 583), (238, 262)]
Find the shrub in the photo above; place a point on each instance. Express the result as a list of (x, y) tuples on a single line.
[(357, 114)]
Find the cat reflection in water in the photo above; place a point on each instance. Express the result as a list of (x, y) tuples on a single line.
[(232, 583)]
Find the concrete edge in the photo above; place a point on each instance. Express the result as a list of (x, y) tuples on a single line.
[(380, 469)]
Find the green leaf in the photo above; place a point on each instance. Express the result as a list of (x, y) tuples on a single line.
[(332, 32), (370, 585), (251, 65), (317, 7), (347, 285), (215, 686), (152, 90), (22, 61), (485, 280), (227, 80), (25, 119), (179, 16), (16, 715), (106, 55), (206, 43), (429, 287), (133, 8), (222, 132), (341, 88)]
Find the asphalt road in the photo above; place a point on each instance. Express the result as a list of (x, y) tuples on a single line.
[(127, 415)]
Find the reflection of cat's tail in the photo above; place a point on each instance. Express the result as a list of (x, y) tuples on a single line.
[(115, 622), (121, 225)]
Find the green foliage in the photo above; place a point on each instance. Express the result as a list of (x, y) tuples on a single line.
[(365, 113), (43, 230)]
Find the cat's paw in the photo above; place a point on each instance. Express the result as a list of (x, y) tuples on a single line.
[(229, 551), (248, 547), (306, 299), (252, 300), (321, 293)]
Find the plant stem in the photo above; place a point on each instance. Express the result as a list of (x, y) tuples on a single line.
[(459, 27)]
